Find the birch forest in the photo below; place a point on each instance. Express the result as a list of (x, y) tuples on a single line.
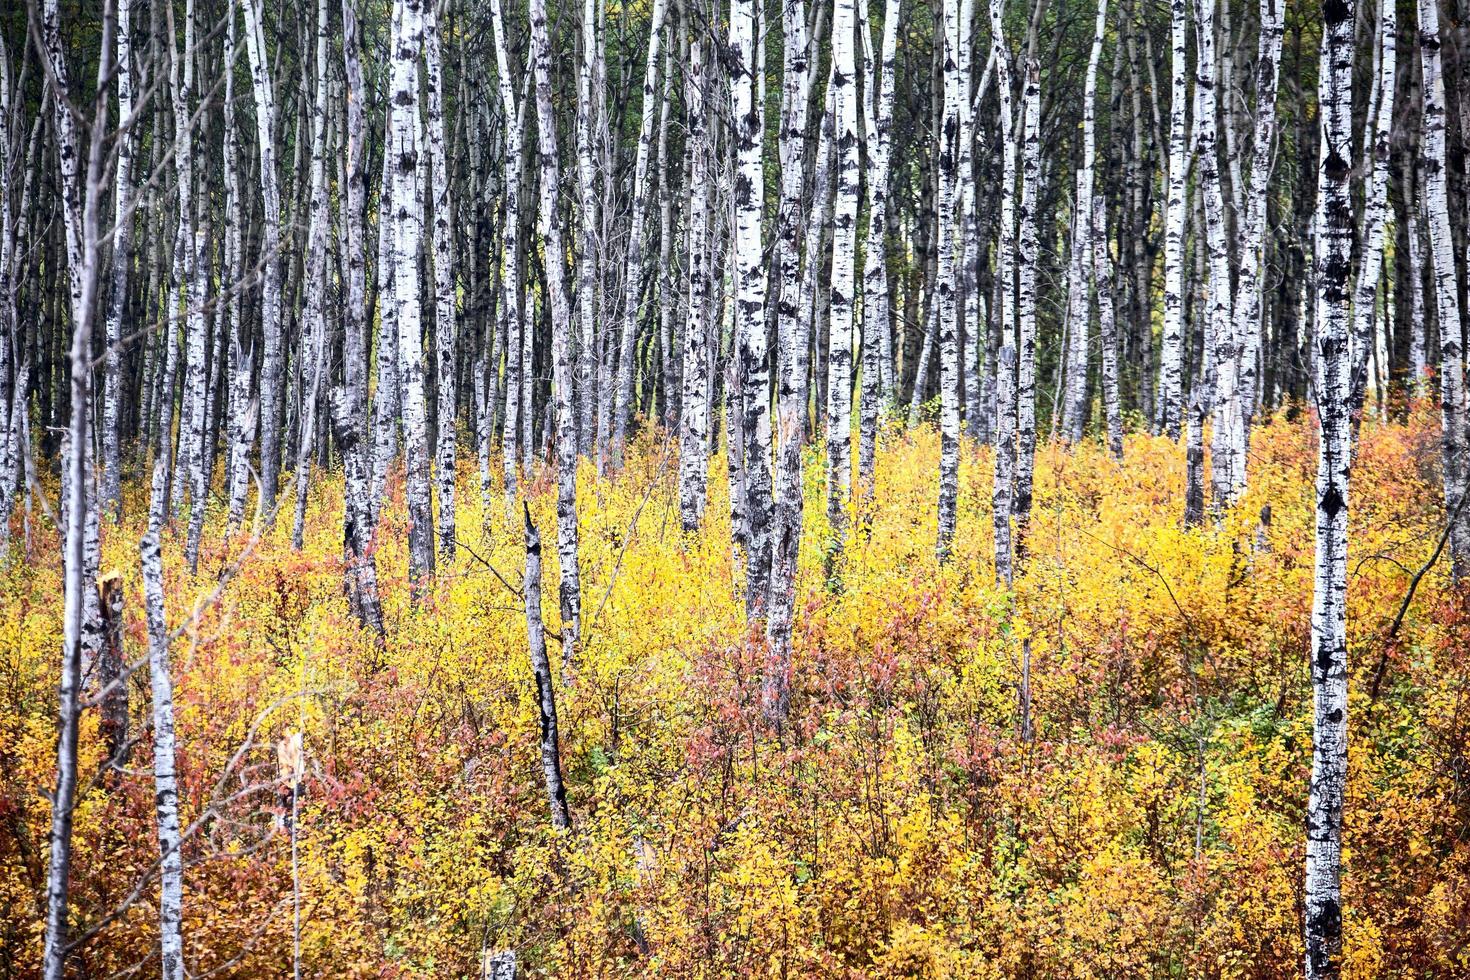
[(734, 488)]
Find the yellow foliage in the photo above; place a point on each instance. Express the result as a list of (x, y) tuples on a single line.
[(900, 827)]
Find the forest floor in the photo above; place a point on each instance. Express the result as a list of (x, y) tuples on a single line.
[(901, 826)]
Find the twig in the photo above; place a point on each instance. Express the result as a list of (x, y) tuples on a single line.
[(628, 535), (1162, 578), (460, 542), (1398, 619)]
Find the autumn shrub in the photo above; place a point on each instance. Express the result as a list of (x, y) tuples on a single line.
[(902, 825)]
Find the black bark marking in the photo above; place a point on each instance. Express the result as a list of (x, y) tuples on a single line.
[(1332, 501)]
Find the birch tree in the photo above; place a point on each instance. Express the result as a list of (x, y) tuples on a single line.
[(510, 301), (974, 318), (747, 132), (877, 126), (1375, 216), (556, 298), (1026, 302), (792, 344), (242, 411), (9, 355), (844, 267), (272, 354), (446, 318), (694, 399), (947, 298), (1176, 215), (169, 478), (165, 777), (1003, 498), (1102, 277), (1335, 232), (556, 793), (188, 466), (314, 336), (633, 270), (1079, 276), (388, 398), (348, 401), (200, 455), (122, 225), (408, 223), (1247, 303), (81, 195), (588, 286), (1227, 459), (1446, 292)]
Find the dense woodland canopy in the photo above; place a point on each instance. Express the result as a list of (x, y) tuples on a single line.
[(903, 489)]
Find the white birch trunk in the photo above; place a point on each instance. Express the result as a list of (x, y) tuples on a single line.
[(446, 320), (242, 412), (9, 355), (844, 269), (1079, 278), (792, 344), (947, 296), (408, 221), (588, 286), (975, 317), (1247, 306), (633, 269), (165, 779), (1446, 293), (272, 355), (510, 300), (81, 219), (121, 260), (925, 360), (747, 132), (878, 124), (192, 425), (1003, 496), (1194, 461), (1227, 460), (1375, 217), (1176, 215), (1026, 304), (556, 793), (668, 274), (1334, 239), (348, 402), (1102, 277), (198, 395), (694, 448), (817, 249), (361, 574), (314, 321), (388, 397), (1418, 345), (167, 497), (566, 422)]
